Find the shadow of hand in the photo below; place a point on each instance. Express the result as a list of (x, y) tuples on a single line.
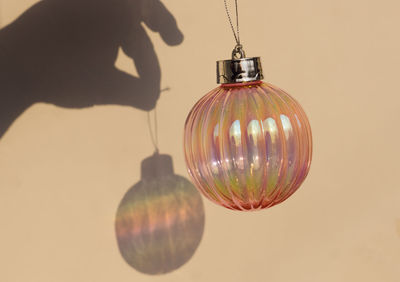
[(64, 51)]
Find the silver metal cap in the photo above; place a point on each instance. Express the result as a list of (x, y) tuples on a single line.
[(239, 70)]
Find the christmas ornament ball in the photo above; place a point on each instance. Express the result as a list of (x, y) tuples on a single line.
[(247, 143)]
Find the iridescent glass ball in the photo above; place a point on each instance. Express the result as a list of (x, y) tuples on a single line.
[(248, 146)]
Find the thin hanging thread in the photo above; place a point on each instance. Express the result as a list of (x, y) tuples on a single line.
[(153, 136), (236, 33)]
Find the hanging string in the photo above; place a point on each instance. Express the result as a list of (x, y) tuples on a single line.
[(236, 33), (153, 136), (238, 52)]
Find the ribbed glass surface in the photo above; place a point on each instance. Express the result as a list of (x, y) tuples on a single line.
[(247, 146)]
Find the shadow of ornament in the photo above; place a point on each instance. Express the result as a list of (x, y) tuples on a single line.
[(160, 221)]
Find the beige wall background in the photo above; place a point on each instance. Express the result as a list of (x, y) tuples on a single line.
[(63, 172)]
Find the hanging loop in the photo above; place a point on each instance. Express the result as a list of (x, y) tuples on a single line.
[(238, 53)]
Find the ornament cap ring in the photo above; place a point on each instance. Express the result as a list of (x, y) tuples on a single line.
[(239, 70), (238, 52)]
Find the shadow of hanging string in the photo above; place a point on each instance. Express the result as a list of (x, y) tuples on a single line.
[(154, 136), (160, 220)]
